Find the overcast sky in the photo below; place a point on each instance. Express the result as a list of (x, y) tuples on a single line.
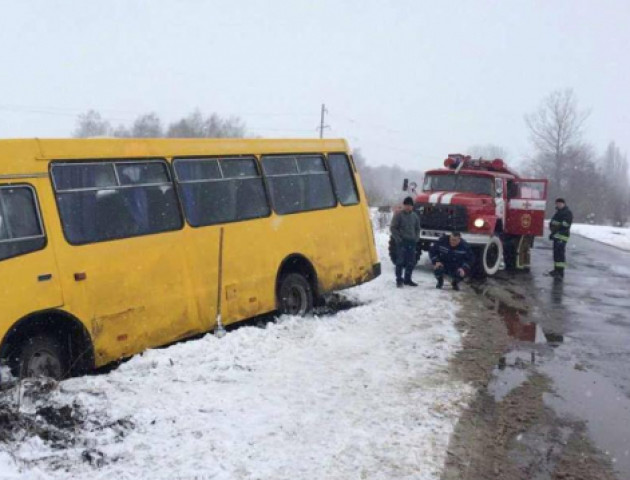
[(405, 81)]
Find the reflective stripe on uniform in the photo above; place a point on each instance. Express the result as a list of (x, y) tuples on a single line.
[(560, 264), (562, 238)]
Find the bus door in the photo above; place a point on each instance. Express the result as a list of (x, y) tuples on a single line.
[(126, 264), (527, 201), (28, 271)]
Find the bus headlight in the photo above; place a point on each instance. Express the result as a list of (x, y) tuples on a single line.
[(479, 223)]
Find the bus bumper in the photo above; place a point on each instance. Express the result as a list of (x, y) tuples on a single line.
[(376, 270)]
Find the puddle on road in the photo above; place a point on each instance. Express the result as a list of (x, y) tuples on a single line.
[(512, 371), (513, 309), (577, 393), (588, 396)]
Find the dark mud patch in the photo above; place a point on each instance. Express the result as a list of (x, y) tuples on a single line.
[(508, 432), (335, 303), (32, 408)]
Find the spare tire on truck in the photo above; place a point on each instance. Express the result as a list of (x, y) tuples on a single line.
[(392, 251)]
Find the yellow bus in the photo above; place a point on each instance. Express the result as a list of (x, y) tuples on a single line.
[(112, 246)]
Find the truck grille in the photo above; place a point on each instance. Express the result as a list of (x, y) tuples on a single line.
[(442, 217)]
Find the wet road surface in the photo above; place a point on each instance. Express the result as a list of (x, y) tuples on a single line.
[(577, 333)]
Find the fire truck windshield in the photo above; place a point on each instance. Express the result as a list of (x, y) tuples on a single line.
[(459, 183)]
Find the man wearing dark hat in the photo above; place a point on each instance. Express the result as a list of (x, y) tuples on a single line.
[(560, 227), (405, 229)]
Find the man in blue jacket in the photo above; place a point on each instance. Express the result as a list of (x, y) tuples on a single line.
[(452, 256)]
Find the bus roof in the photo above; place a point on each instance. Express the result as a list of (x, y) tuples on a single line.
[(26, 156)]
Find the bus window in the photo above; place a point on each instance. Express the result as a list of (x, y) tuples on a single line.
[(114, 200), (20, 226), (343, 179), (298, 183), (221, 190)]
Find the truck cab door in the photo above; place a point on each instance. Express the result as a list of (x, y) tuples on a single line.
[(527, 201), (499, 200)]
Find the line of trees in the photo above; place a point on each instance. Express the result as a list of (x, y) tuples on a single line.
[(195, 125), (596, 187), (383, 184)]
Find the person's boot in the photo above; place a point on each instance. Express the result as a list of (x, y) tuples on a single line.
[(399, 283), (410, 283), (553, 273), (560, 273), (455, 286), (440, 283)]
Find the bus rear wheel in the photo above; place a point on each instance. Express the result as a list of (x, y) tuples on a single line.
[(296, 295), (43, 356)]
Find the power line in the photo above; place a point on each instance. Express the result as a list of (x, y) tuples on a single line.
[(321, 122)]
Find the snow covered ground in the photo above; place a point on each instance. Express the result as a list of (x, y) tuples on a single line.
[(615, 236), (361, 394)]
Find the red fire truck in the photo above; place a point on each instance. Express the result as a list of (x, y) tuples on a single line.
[(497, 212)]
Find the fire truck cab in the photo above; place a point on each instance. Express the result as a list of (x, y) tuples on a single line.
[(497, 212)]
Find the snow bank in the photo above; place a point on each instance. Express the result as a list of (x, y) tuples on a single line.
[(615, 236), (362, 394)]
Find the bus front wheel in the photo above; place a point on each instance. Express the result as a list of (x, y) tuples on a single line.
[(42, 356), (296, 295)]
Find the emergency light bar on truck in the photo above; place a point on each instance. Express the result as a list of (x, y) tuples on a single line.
[(458, 161)]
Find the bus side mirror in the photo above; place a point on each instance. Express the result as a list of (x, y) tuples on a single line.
[(405, 184)]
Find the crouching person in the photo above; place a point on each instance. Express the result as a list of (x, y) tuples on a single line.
[(452, 256), (405, 230)]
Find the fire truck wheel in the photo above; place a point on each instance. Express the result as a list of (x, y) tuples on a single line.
[(392, 251), (492, 256)]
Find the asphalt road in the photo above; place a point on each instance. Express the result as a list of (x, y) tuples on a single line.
[(578, 330)]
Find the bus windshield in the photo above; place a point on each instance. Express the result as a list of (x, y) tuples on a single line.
[(458, 183)]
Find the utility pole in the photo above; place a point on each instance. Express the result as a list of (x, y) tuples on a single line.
[(321, 123)]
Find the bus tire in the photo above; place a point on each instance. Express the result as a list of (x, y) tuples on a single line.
[(43, 356), (492, 255), (296, 295)]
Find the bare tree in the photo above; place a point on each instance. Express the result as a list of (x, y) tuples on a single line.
[(615, 171), (188, 127), (91, 124), (488, 151), (555, 128), (196, 126), (121, 131), (383, 184), (147, 126)]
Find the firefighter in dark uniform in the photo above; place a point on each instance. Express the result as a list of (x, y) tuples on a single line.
[(452, 256), (560, 227)]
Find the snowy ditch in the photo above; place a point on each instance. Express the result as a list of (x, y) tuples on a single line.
[(361, 393)]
